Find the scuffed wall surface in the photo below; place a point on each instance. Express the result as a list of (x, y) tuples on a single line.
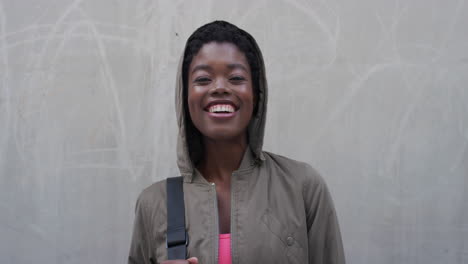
[(372, 93)]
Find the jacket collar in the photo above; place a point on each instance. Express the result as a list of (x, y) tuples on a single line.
[(248, 162)]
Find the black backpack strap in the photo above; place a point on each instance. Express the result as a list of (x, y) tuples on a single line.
[(177, 236)]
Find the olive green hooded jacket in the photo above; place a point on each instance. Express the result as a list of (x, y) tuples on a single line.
[(281, 209)]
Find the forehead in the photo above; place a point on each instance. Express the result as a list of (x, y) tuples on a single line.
[(219, 53)]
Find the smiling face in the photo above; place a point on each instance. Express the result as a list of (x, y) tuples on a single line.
[(220, 92)]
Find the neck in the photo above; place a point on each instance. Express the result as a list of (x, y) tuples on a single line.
[(222, 158)]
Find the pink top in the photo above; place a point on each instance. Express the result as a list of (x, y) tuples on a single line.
[(224, 249)]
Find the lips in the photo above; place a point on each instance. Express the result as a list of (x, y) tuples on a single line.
[(221, 106)]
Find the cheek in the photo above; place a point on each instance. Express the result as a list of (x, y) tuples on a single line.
[(250, 98), (192, 103)]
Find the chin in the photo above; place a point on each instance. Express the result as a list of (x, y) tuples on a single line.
[(224, 135)]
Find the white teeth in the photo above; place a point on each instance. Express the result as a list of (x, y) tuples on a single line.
[(221, 108)]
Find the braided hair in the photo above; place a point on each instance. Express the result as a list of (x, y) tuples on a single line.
[(220, 32)]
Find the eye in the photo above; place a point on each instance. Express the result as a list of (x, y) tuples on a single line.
[(237, 79), (202, 80)]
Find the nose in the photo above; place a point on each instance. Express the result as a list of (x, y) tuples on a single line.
[(220, 88)]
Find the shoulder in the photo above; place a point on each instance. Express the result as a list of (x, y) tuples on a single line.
[(308, 175), (307, 180), (151, 199)]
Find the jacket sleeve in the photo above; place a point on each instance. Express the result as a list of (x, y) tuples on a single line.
[(141, 246), (324, 238)]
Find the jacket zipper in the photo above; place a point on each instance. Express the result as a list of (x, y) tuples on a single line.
[(216, 223)]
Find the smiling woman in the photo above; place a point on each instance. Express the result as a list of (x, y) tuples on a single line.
[(220, 94), (242, 204)]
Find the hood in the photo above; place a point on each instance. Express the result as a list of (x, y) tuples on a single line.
[(189, 148)]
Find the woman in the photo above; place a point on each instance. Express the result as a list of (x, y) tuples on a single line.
[(242, 204)]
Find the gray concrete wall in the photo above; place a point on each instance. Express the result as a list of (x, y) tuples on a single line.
[(372, 93)]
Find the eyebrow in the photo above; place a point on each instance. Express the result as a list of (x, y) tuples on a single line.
[(237, 66), (230, 66), (201, 67)]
